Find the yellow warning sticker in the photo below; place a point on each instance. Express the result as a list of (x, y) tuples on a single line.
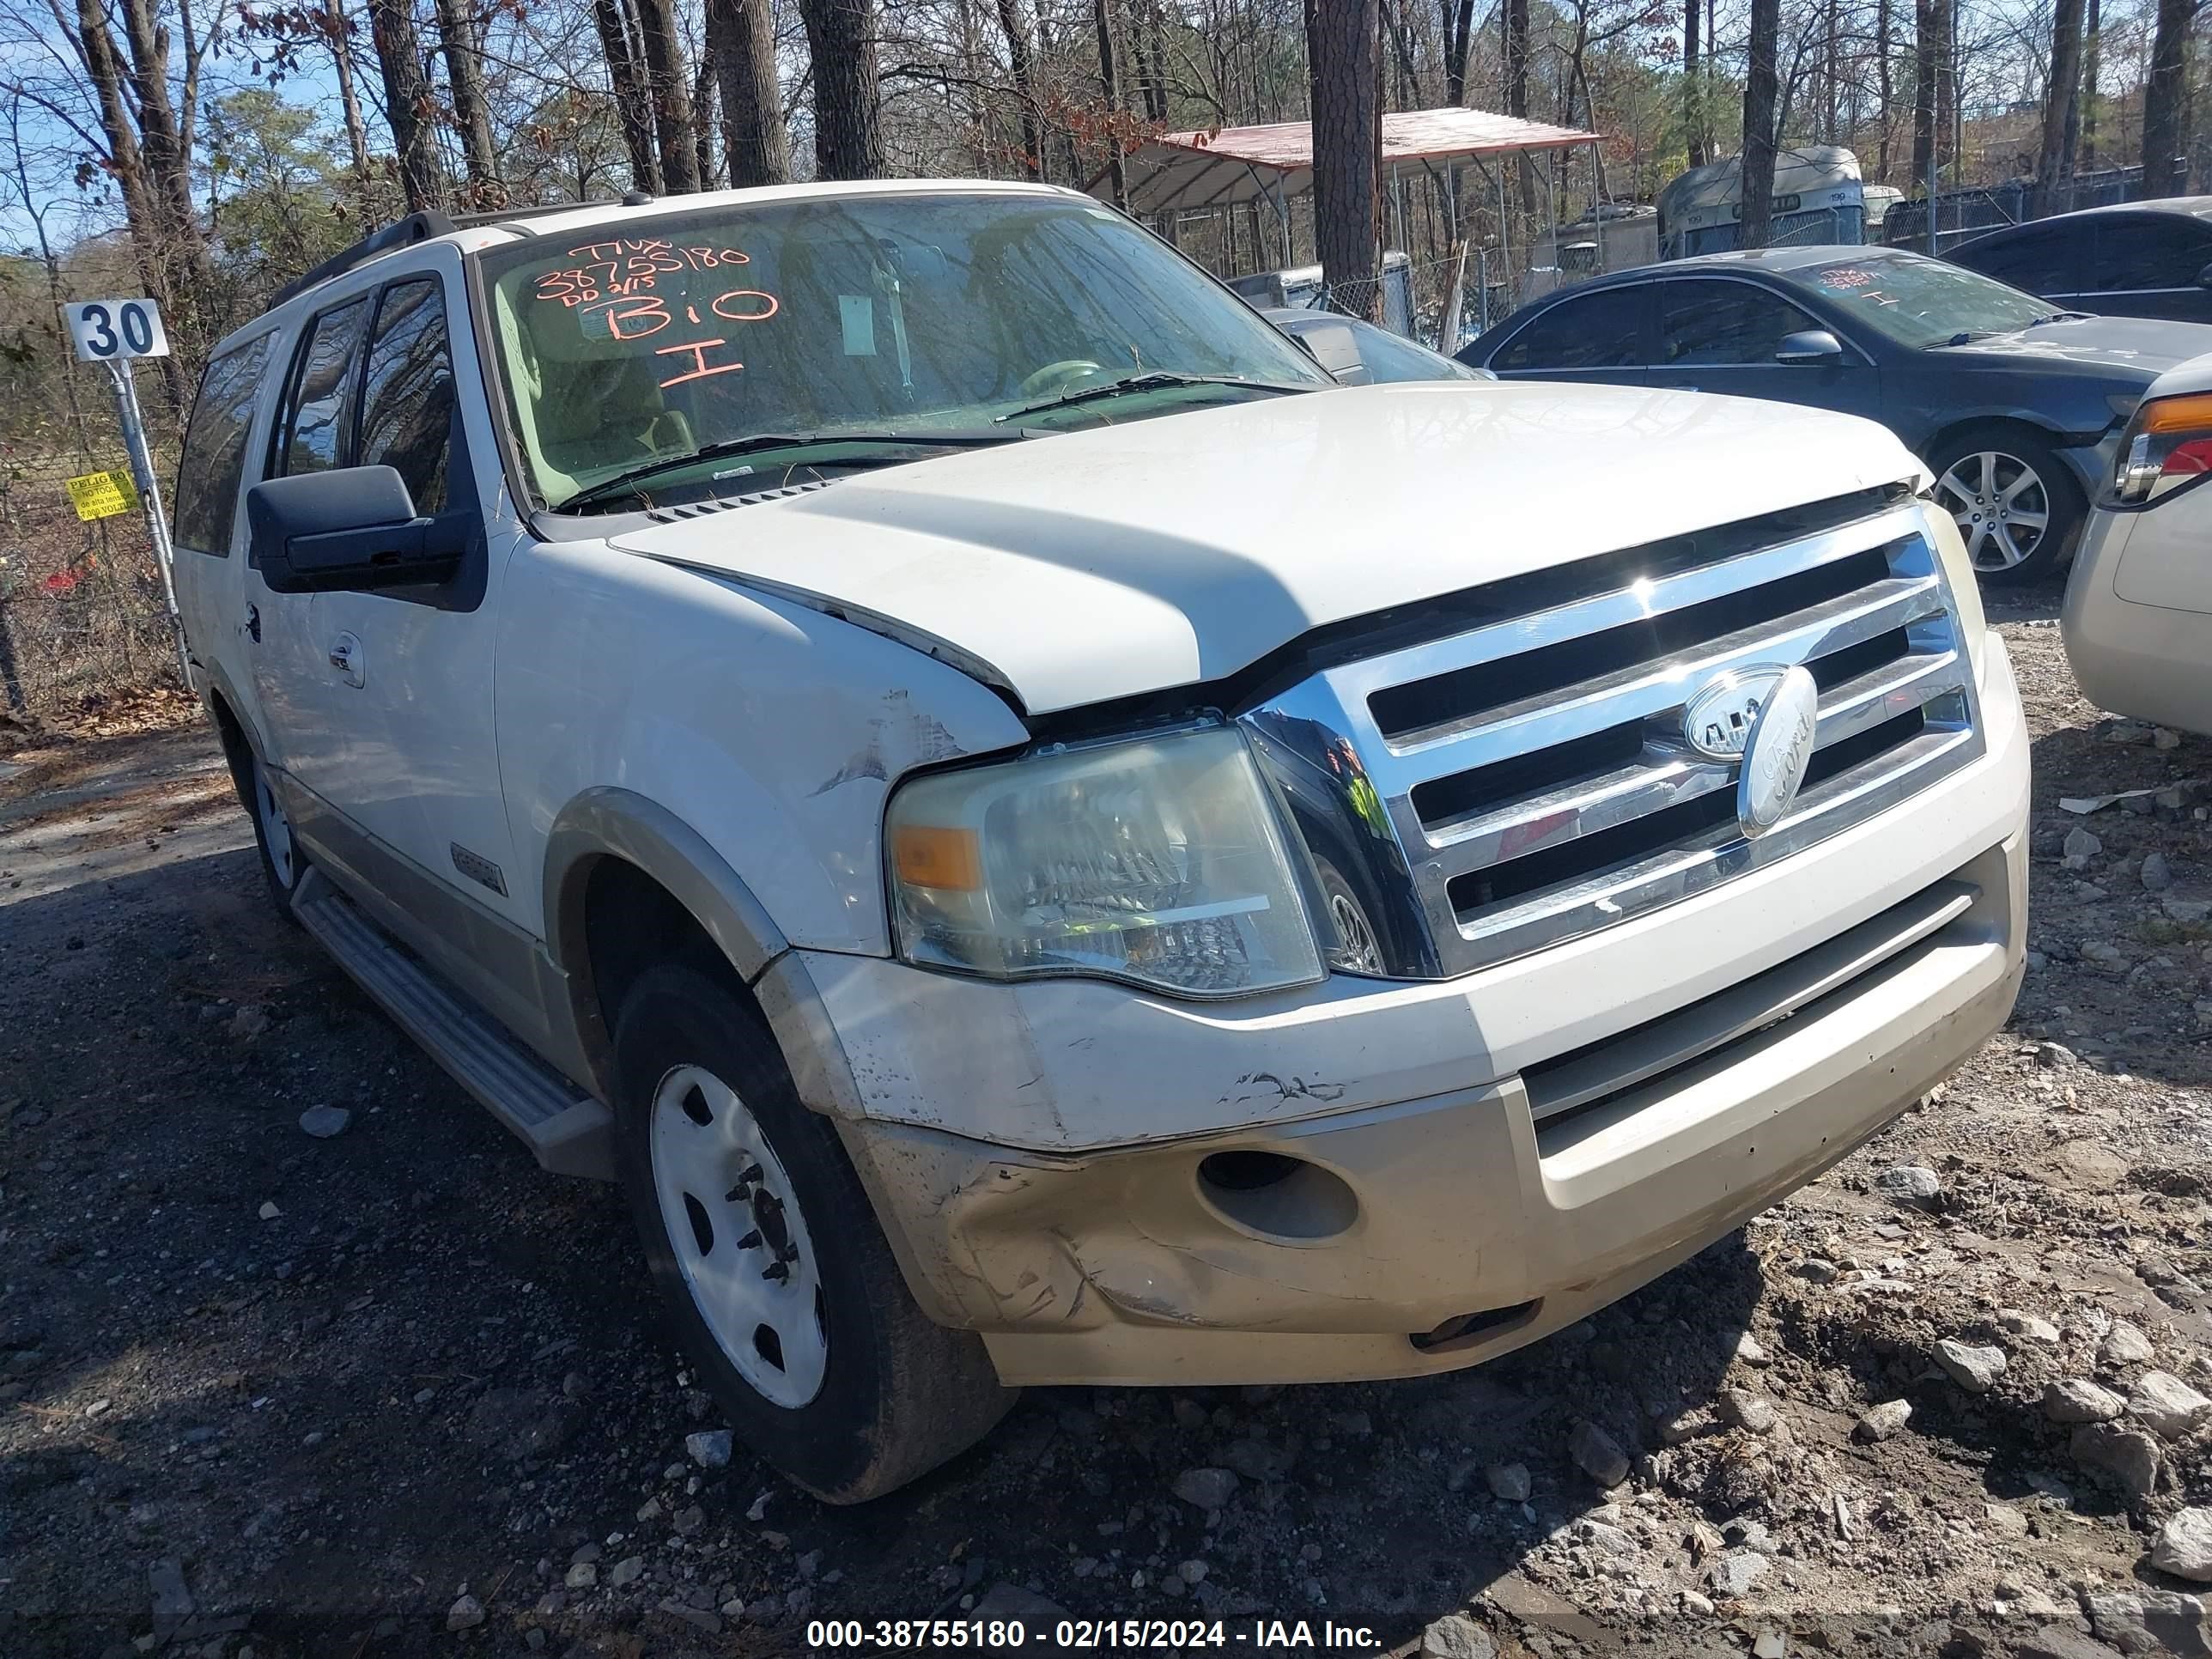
[(101, 495)]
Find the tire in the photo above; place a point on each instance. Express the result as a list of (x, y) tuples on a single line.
[(852, 1392), (282, 864), (1993, 481)]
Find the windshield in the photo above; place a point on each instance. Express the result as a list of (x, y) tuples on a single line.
[(876, 314), (1924, 302)]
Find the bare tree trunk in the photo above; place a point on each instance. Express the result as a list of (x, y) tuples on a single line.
[(104, 67), (704, 102), (1831, 71), (340, 34), (1924, 69), (1758, 94), (1110, 91), (2092, 67), (1020, 56), (618, 41), (2164, 173), (741, 41), (2054, 166), (1693, 130), (1947, 80), (457, 41), (1457, 17), (1341, 53), (1515, 21), (407, 100), (1883, 23), (848, 141), (668, 85)]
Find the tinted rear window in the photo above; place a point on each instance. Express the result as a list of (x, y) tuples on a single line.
[(214, 464)]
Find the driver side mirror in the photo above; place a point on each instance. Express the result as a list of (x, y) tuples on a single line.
[(1810, 345), (350, 530), (2204, 277)]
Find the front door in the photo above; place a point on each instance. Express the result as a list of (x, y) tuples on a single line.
[(389, 723), (1720, 334)]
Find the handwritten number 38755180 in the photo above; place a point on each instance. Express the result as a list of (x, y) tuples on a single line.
[(617, 284)]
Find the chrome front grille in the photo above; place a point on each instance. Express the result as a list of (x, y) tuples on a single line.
[(1527, 780)]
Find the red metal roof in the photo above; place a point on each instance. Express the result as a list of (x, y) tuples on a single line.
[(1210, 168)]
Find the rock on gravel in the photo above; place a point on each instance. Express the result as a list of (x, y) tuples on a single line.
[(464, 1614), (2016, 1321), (627, 1570), (2148, 1621), (2126, 1346), (1508, 1481), (1456, 1636), (2183, 1547), (2129, 1455), (1206, 1489), (325, 1122), (2079, 849), (2166, 1406), (1882, 1421), (1974, 1369), (1737, 1571), (709, 1449), (1914, 1183), (2075, 1399), (1597, 1454), (1742, 1409)]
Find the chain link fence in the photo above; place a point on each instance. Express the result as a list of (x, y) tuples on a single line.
[(82, 618)]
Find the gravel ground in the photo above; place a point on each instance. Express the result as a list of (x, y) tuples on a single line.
[(395, 1391)]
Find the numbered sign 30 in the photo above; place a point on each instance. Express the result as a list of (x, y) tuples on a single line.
[(105, 330)]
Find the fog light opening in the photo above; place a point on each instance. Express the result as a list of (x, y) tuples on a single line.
[(1277, 1196)]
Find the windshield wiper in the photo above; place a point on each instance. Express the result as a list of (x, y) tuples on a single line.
[(2059, 317), (1149, 381), (759, 441), (1967, 337)]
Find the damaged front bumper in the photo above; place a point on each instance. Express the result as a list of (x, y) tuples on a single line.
[(1387, 1181)]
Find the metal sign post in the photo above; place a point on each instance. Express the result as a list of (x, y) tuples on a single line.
[(112, 332)]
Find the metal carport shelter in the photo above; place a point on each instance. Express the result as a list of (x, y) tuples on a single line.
[(1209, 170)]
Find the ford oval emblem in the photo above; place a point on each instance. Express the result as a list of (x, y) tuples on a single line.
[(1777, 752), (1718, 720)]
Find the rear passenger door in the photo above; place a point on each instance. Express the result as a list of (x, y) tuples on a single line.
[(2147, 265), (1604, 335), (1720, 334)]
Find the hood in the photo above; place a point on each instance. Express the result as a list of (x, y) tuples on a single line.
[(1133, 558), (2139, 348)]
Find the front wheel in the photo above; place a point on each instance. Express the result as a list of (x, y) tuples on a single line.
[(2017, 508), (777, 1278)]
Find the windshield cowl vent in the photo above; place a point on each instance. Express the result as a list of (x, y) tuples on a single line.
[(713, 504)]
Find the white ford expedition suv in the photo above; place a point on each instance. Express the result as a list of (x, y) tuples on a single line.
[(1043, 841)]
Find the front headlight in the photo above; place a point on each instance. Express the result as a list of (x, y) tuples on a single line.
[(1157, 861), (2167, 443)]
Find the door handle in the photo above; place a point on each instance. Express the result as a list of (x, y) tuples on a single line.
[(345, 656)]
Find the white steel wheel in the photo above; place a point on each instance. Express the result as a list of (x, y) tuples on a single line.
[(275, 830), (739, 1238), (2002, 505)]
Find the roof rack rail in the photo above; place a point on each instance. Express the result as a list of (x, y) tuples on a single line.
[(402, 233), (509, 215)]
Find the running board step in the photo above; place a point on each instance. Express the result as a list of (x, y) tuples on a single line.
[(570, 1133)]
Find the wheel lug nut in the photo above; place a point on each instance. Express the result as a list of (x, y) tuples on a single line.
[(775, 1270), (750, 1174), (750, 1241)]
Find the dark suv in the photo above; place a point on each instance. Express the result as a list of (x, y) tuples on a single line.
[(2140, 259)]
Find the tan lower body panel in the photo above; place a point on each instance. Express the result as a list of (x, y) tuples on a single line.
[(1136, 1266)]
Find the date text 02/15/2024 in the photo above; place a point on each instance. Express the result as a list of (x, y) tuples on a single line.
[(1172, 1635)]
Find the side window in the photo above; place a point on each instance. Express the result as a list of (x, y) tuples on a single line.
[(407, 393), (1597, 331), (1702, 323), (311, 425), (2037, 262), (214, 463), (2150, 253)]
